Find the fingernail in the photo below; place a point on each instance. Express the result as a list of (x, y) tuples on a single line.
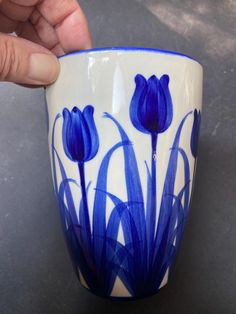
[(44, 68)]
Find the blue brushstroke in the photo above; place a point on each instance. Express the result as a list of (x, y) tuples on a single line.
[(195, 132)]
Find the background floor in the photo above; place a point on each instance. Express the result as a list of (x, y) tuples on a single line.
[(35, 272)]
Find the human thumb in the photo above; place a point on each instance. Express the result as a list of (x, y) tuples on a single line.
[(25, 62)]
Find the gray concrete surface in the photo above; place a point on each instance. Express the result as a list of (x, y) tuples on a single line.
[(35, 271)]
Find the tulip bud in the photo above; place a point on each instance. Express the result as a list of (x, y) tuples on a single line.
[(79, 134), (151, 109)]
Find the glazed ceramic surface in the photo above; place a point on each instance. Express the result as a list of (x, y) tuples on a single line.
[(123, 133)]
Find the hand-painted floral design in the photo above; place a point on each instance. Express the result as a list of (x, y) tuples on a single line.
[(150, 242), (151, 112), (81, 143)]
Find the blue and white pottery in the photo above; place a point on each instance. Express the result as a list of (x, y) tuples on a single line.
[(123, 132)]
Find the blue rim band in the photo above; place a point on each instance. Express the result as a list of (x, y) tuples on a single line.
[(129, 49)]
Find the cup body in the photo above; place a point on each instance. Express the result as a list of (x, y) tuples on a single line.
[(123, 133)]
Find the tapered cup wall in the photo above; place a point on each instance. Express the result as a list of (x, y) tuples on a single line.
[(123, 133)]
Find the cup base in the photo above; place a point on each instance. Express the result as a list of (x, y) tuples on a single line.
[(122, 298)]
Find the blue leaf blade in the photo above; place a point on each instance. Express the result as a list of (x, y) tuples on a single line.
[(169, 184), (133, 183), (99, 209)]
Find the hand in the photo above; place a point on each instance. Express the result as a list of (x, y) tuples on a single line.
[(45, 29)]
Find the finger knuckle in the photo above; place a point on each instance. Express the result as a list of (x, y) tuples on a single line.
[(9, 62)]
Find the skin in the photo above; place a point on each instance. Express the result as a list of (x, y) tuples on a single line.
[(45, 29)]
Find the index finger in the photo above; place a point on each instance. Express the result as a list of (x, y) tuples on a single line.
[(69, 22)]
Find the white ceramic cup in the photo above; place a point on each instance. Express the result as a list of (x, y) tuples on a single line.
[(123, 132)]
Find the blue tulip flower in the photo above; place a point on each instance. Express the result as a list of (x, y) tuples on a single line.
[(151, 109), (81, 143), (79, 134), (151, 112), (195, 132)]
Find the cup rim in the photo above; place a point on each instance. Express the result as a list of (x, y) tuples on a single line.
[(103, 49)]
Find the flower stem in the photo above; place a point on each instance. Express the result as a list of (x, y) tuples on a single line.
[(85, 223), (154, 157), (152, 212)]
